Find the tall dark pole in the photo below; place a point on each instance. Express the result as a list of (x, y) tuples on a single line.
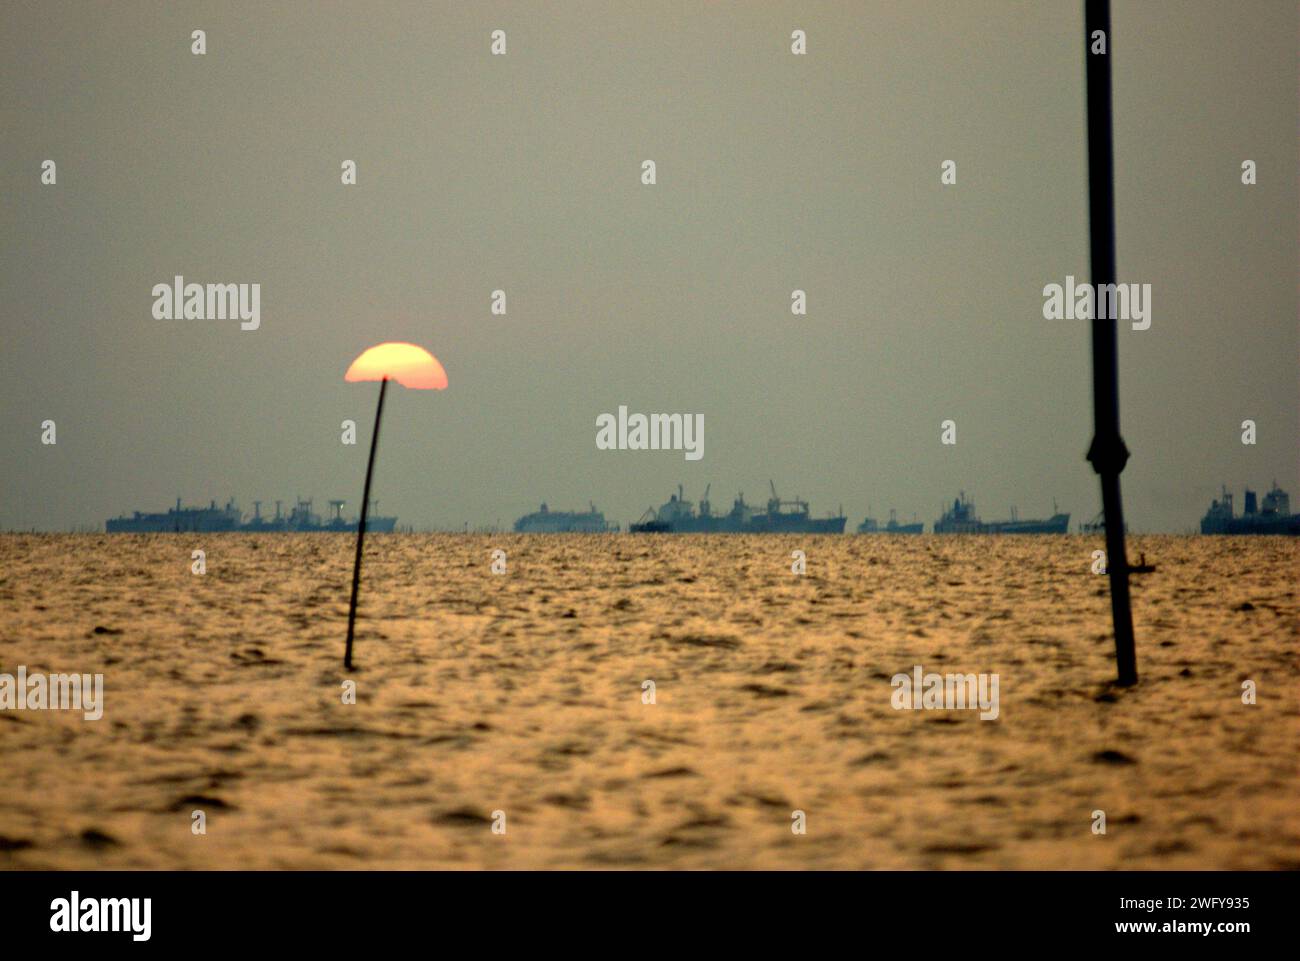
[(361, 526), (1107, 453)]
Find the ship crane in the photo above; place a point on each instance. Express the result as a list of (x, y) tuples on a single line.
[(775, 504)]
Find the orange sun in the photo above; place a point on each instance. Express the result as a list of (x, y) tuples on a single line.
[(409, 365)]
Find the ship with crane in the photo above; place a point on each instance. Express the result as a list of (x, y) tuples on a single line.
[(680, 516)]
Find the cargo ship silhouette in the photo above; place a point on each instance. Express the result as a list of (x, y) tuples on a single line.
[(1274, 518), (230, 518), (547, 521), (1097, 525), (679, 516), (871, 526), (961, 519)]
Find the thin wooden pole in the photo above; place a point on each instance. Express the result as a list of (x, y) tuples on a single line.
[(1107, 453), (361, 526)]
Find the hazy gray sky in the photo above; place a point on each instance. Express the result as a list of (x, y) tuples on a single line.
[(775, 172)]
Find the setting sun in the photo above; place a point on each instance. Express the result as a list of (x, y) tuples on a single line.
[(408, 364)]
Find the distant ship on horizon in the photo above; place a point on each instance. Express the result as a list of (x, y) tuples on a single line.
[(871, 526), (213, 519), (1274, 517), (961, 519), (1097, 525), (547, 521), (679, 516)]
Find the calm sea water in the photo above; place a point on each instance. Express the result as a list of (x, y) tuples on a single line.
[(523, 693)]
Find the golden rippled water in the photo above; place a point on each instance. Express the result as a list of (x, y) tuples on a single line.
[(522, 693)]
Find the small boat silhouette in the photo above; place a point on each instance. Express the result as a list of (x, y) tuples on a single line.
[(1141, 567)]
